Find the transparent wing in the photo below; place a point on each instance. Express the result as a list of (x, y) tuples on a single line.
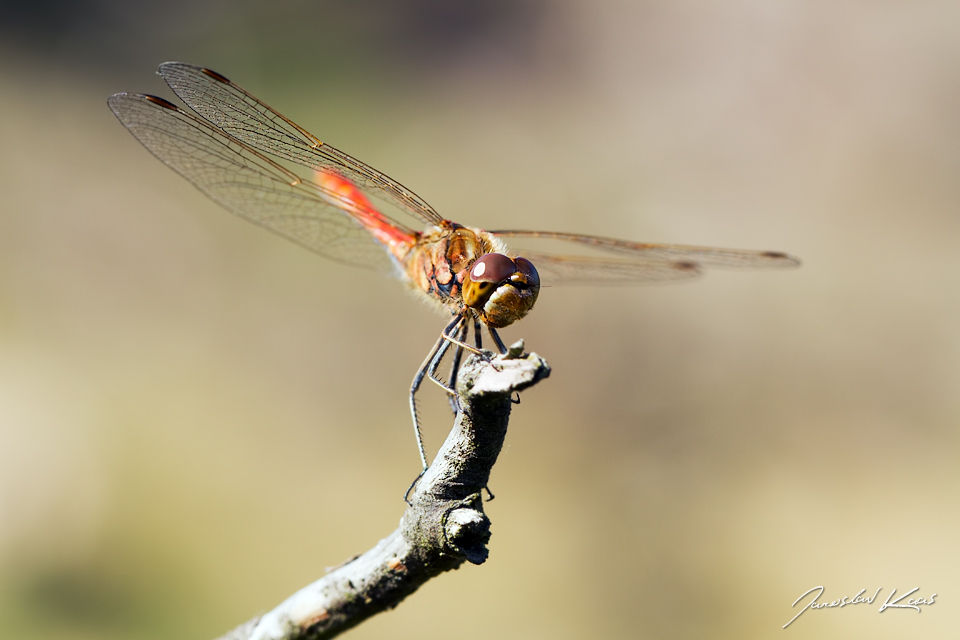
[(249, 184), (563, 269), (232, 109), (635, 262)]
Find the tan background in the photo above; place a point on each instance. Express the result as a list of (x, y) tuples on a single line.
[(197, 417)]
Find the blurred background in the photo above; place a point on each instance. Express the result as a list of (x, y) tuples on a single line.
[(197, 417)]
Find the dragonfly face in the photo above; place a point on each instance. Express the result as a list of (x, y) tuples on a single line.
[(500, 289), (229, 145)]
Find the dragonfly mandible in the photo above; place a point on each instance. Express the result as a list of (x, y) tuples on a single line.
[(228, 145)]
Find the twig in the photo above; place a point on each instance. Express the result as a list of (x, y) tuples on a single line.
[(444, 526)]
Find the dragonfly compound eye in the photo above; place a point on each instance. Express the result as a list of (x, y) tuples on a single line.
[(501, 289), (492, 267)]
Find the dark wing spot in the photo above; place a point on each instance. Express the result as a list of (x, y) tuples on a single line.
[(686, 265), (161, 102), (216, 76)]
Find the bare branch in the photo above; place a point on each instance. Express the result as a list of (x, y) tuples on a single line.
[(444, 526)]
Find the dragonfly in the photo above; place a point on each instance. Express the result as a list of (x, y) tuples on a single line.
[(238, 151)]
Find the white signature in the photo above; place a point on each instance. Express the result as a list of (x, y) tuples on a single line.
[(912, 603)]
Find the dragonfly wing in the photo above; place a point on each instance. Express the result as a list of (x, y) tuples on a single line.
[(247, 183), (634, 262), (571, 269), (229, 107)]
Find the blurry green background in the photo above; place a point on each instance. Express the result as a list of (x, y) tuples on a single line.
[(197, 417)]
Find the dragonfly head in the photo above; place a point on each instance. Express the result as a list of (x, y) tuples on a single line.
[(501, 289)]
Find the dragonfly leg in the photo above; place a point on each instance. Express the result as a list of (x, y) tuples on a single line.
[(435, 364), (463, 345), (428, 367), (477, 336), (497, 340), (438, 347), (460, 341), (406, 496), (455, 367)]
